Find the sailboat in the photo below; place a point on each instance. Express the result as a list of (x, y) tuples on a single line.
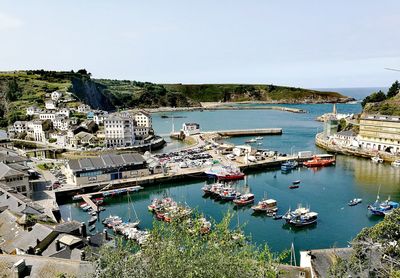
[(382, 208)]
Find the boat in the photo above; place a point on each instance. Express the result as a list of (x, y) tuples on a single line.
[(319, 162), (382, 208), (305, 219), (259, 138), (92, 227), (296, 182), (209, 188), (244, 200), (354, 202), (77, 197), (83, 205), (396, 163), (289, 165), (111, 219), (225, 173), (294, 186), (87, 208), (251, 141), (377, 159), (93, 213), (268, 206), (277, 216), (290, 214), (233, 175), (229, 194), (92, 220), (98, 201)]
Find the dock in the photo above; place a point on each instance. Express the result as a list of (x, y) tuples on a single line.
[(88, 201), (249, 132)]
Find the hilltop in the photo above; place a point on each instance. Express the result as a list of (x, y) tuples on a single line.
[(385, 104), (21, 89)]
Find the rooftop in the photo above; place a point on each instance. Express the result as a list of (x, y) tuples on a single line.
[(381, 118), (106, 161)]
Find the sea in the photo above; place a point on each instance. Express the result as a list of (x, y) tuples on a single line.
[(326, 191)]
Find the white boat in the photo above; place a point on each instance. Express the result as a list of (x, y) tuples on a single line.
[(377, 159), (396, 163), (251, 140), (259, 138)]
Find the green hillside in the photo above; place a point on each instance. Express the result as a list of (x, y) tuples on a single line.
[(21, 89), (384, 104)]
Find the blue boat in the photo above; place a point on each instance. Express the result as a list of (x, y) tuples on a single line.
[(289, 165), (382, 208)]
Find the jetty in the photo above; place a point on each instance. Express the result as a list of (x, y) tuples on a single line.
[(89, 201), (249, 132)]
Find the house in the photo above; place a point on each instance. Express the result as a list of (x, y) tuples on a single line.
[(119, 130), (143, 119), (346, 138), (142, 132), (56, 95), (32, 110), (50, 105), (35, 241), (35, 131), (14, 178), (190, 128), (61, 123), (9, 230), (100, 116), (19, 126), (47, 115), (83, 108), (61, 138), (63, 111), (82, 138)]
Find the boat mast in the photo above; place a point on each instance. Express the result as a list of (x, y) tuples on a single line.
[(292, 255)]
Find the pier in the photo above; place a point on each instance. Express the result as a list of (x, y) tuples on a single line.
[(88, 201), (249, 132)]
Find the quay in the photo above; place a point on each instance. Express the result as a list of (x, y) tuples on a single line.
[(89, 201), (248, 132), (187, 174)]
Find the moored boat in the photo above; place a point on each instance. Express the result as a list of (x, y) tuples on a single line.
[(294, 186), (382, 208), (244, 200), (269, 205), (296, 182), (377, 159), (319, 162), (229, 194), (396, 163), (253, 140), (289, 165), (354, 202), (304, 219), (92, 220)]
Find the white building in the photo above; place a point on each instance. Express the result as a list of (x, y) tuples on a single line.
[(64, 111), (55, 96), (119, 131), (19, 126), (143, 118), (190, 128), (49, 104), (99, 117), (83, 108), (61, 123), (32, 110), (142, 132), (47, 115), (38, 133)]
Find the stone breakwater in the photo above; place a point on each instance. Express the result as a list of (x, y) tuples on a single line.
[(352, 151)]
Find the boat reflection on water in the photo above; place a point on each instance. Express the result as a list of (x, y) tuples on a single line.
[(294, 229)]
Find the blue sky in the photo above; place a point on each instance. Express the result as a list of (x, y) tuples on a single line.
[(299, 43)]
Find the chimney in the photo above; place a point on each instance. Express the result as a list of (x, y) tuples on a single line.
[(83, 229), (18, 268), (58, 246), (105, 233)]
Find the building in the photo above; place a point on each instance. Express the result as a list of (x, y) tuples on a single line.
[(331, 125), (64, 111), (32, 110), (55, 96), (83, 108), (34, 130), (143, 119), (142, 132), (119, 131), (190, 128), (47, 115), (380, 133), (106, 168), (346, 138), (50, 105), (13, 177), (82, 138), (99, 117), (19, 126)]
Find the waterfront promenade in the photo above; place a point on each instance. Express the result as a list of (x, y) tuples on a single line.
[(352, 151)]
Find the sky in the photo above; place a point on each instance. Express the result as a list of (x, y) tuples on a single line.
[(302, 43)]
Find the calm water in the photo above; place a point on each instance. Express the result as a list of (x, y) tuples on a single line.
[(327, 190)]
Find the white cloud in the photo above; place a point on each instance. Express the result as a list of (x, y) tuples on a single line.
[(8, 22)]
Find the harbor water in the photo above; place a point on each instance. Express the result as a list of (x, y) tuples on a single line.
[(326, 190)]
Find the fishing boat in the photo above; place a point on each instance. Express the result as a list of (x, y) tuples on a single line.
[(92, 220), (354, 202), (244, 200), (296, 182), (396, 163), (225, 173), (290, 214), (111, 219), (377, 159), (229, 194), (209, 188), (305, 219), (232, 175), (319, 162), (268, 205), (382, 208), (289, 165), (294, 186)]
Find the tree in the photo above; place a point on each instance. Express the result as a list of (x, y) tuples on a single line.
[(394, 89), (374, 97), (13, 91), (180, 249)]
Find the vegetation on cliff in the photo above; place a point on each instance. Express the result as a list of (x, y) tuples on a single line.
[(381, 103)]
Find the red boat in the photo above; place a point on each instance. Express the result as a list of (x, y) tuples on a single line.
[(230, 176), (319, 162), (245, 199), (293, 186)]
